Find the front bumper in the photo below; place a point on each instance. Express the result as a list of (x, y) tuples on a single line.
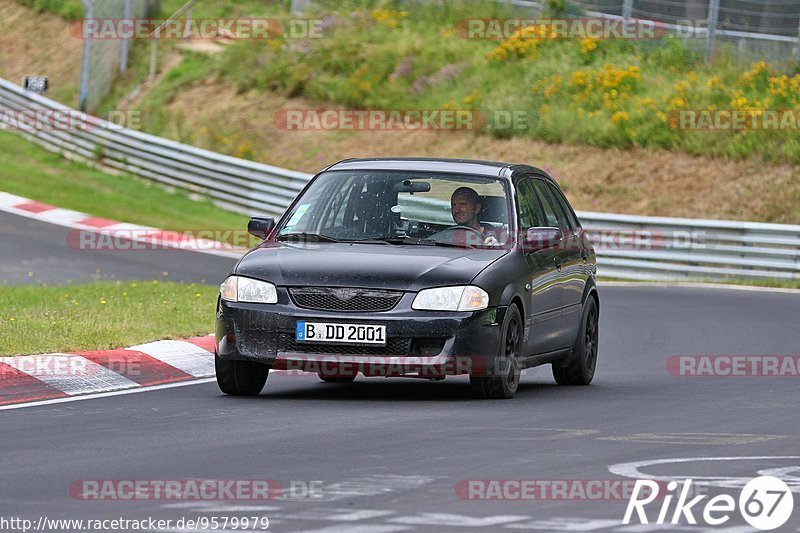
[(425, 343)]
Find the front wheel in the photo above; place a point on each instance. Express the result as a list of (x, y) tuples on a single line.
[(503, 380), (583, 361), (240, 378)]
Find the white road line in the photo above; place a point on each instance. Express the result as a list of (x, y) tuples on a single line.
[(634, 470), (212, 507), (372, 486), (105, 394), (82, 377), (457, 520), (366, 528), (183, 355), (333, 515), (567, 524)]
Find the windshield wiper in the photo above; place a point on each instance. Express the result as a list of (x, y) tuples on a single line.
[(422, 242), (303, 236)]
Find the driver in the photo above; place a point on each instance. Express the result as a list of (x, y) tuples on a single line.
[(465, 204)]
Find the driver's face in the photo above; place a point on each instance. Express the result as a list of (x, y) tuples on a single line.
[(465, 213)]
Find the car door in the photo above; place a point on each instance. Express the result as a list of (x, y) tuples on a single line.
[(576, 266), (543, 323), (570, 265)]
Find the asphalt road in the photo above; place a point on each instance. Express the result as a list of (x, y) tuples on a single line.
[(38, 252), (389, 454)]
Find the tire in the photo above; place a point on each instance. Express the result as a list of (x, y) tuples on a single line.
[(240, 378), (503, 379), (583, 361), (337, 379)]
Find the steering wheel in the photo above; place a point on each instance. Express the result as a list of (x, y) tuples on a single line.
[(454, 228)]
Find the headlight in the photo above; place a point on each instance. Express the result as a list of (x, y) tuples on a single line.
[(461, 298), (238, 289)]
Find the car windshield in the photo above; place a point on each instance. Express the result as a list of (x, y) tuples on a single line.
[(401, 208)]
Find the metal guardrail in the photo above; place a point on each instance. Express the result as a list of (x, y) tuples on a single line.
[(629, 247)]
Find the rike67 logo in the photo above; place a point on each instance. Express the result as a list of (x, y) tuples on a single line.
[(766, 503)]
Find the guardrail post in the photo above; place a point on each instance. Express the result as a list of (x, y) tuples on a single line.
[(796, 50), (627, 9), (713, 16), (83, 90), (126, 43), (187, 32)]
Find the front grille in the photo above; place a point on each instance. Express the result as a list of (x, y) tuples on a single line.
[(394, 346), (344, 299)]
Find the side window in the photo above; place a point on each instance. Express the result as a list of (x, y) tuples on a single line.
[(530, 214), (553, 213), (562, 201)]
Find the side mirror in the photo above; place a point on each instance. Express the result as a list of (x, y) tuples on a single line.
[(260, 226), (542, 238)]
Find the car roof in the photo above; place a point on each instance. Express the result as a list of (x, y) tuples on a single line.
[(461, 166)]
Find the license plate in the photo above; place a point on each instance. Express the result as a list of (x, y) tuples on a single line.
[(341, 333)]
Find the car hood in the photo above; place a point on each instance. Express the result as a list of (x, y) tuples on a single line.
[(403, 267)]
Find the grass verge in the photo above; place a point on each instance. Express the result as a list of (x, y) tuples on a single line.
[(29, 170), (40, 319), (609, 93)]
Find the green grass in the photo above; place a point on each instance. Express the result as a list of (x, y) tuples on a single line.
[(68, 9), (41, 319), (28, 170), (608, 93)]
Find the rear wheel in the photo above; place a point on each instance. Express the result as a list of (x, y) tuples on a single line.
[(503, 380), (583, 361), (240, 378)]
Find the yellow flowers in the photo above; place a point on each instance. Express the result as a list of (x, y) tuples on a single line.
[(678, 102), (548, 87), (620, 116), (779, 85), (579, 78), (609, 85), (472, 97), (648, 102), (681, 87), (389, 17), (523, 44), (610, 77), (752, 75), (588, 45), (713, 82)]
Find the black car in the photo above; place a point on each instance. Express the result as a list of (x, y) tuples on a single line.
[(414, 267)]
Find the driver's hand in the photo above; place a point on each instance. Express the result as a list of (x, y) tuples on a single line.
[(491, 241)]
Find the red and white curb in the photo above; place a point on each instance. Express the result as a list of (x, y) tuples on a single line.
[(33, 378), (153, 237)]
